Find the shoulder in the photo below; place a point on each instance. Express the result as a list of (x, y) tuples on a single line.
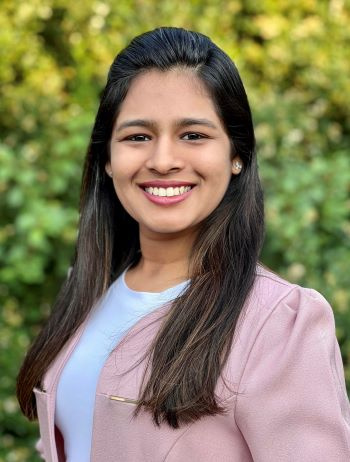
[(279, 315), (271, 292)]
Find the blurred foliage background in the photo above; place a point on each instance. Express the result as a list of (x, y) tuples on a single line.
[(294, 58)]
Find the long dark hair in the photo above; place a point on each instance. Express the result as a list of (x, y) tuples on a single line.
[(194, 340)]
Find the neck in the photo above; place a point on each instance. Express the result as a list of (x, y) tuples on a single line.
[(164, 251), (164, 261)]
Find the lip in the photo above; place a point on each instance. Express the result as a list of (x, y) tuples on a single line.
[(164, 200), (164, 184)]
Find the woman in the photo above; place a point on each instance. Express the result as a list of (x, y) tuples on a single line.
[(168, 341)]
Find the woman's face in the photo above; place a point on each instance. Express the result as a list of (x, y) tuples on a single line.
[(170, 155)]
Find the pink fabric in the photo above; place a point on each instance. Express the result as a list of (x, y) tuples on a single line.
[(40, 448), (283, 388)]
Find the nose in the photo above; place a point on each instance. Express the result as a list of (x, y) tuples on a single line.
[(165, 156)]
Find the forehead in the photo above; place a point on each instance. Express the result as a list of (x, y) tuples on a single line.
[(175, 93)]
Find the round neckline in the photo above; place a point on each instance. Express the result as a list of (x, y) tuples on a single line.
[(150, 294)]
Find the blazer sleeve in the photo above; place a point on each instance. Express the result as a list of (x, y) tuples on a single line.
[(292, 403)]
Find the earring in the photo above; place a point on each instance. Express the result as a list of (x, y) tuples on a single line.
[(237, 165)]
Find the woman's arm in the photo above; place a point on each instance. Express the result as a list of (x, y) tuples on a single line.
[(292, 404)]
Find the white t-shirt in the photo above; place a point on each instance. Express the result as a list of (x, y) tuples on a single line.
[(117, 312)]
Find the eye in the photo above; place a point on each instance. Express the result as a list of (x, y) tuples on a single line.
[(138, 138), (192, 136)]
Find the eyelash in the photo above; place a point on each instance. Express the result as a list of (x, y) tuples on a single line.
[(199, 135), (133, 137)]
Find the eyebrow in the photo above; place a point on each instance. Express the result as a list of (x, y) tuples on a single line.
[(151, 124)]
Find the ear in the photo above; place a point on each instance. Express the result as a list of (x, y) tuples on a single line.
[(237, 165), (108, 169)]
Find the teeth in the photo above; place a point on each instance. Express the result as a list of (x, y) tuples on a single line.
[(168, 192)]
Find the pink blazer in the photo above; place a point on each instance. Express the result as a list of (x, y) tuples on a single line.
[(283, 388)]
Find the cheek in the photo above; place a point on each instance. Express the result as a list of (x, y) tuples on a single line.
[(123, 167), (216, 162), (220, 179), (218, 171)]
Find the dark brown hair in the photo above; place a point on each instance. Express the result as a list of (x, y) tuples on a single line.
[(194, 340)]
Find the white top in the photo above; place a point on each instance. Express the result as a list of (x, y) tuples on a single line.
[(116, 313)]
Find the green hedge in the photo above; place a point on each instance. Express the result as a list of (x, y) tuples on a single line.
[(294, 59)]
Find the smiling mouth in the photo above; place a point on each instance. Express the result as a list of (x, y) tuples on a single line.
[(168, 192)]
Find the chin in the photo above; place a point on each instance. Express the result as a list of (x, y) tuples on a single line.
[(167, 228)]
